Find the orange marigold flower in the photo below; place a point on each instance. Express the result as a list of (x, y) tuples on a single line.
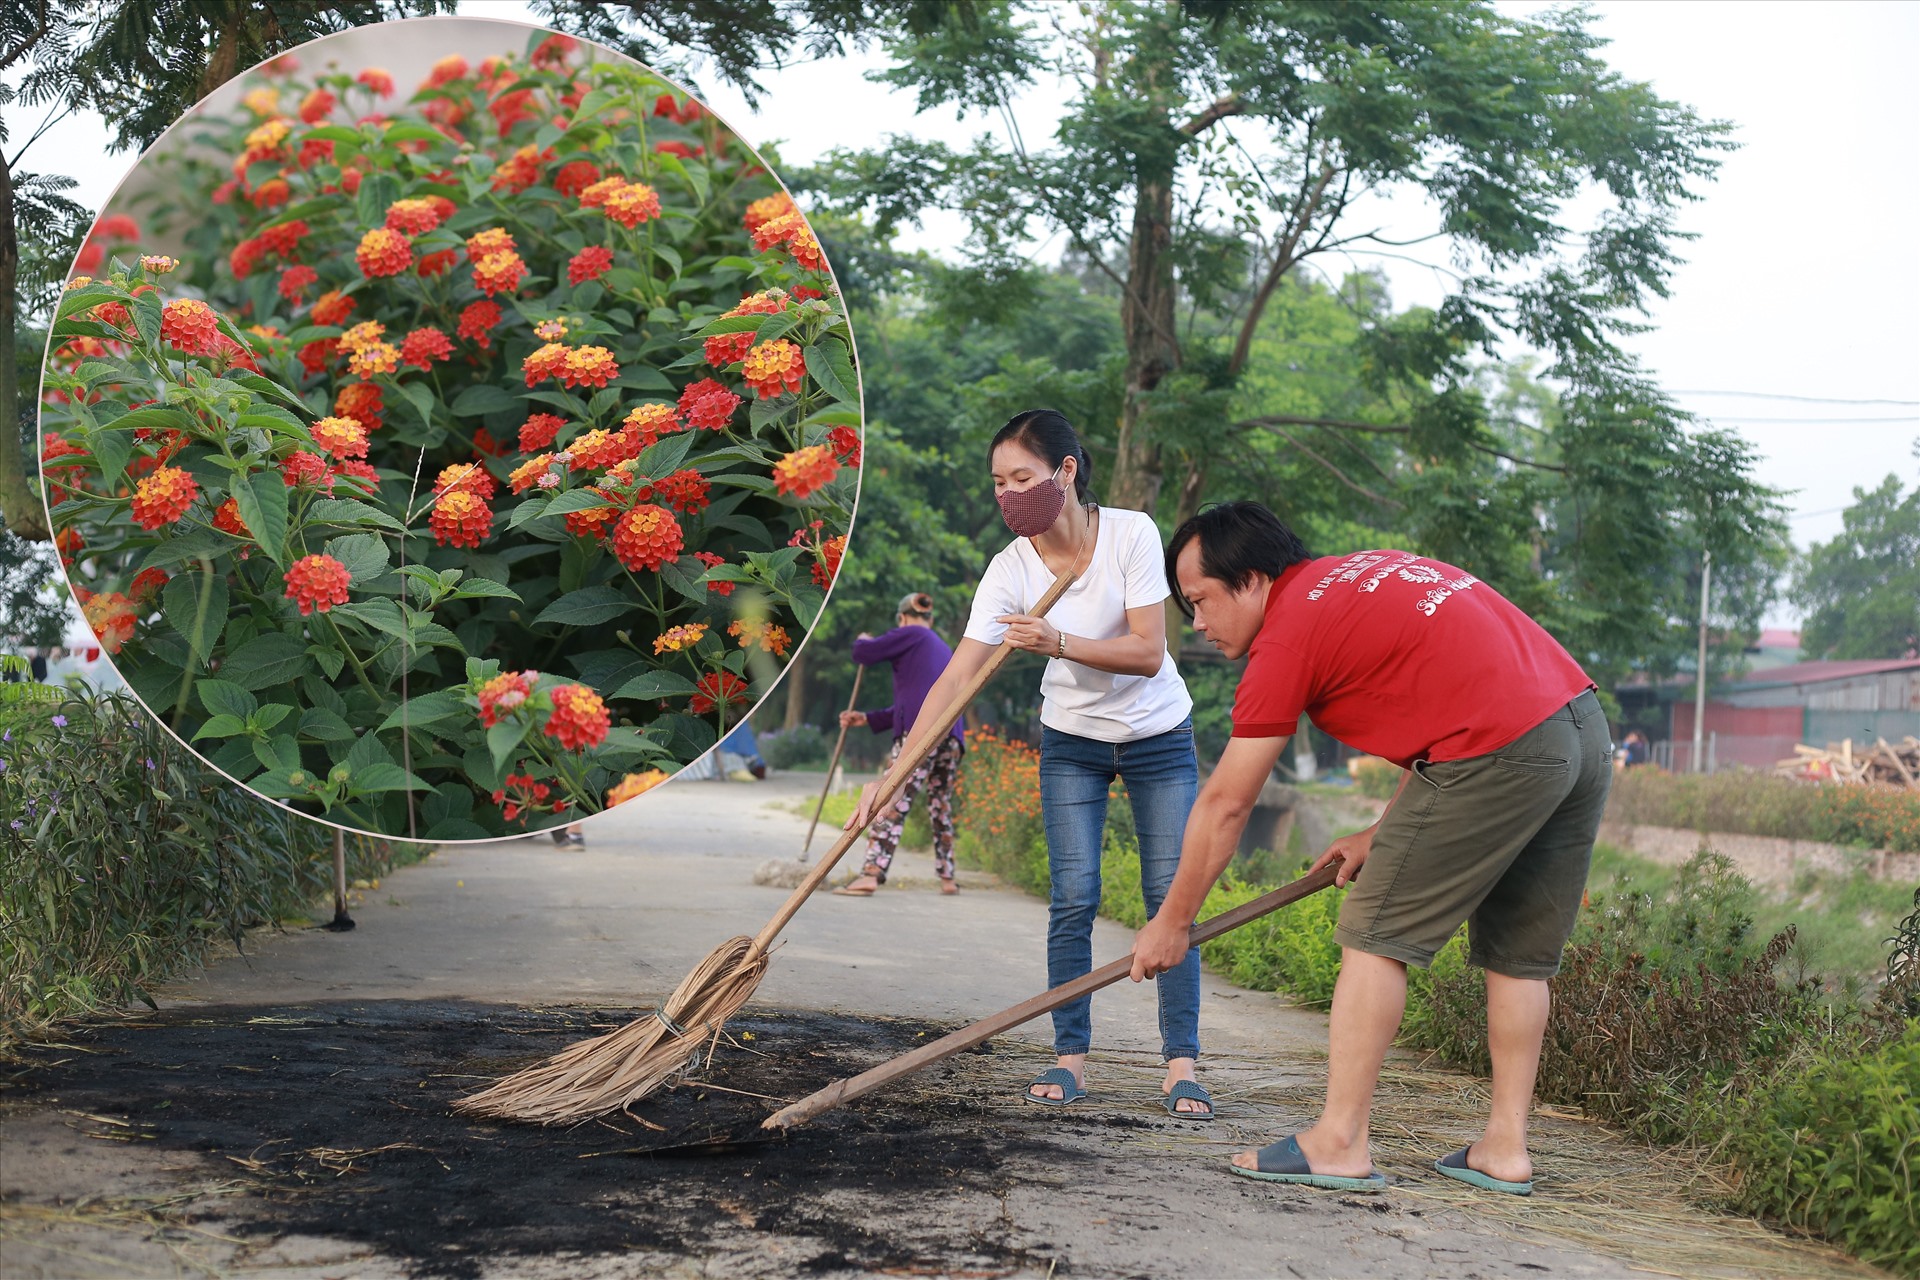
[(423, 346), (450, 68), (590, 523), (726, 348), (362, 402), (752, 634), (791, 230), (484, 244), (317, 582), (598, 449), (341, 437), (294, 281), (805, 472), (634, 784), (332, 308), (766, 210), (383, 253), (594, 195), (267, 137), (713, 561), (378, 357), (113, 313), (544, 362), (676, 639), (646, 538), (163, 497), (460, 519), (633, 204), (190, 325), (317, 106), (362, 335), (538, 431), (648, 422), (477, 321), (686, 491), (378, 80), (674, 147), (528, 473), (717, 688), (774, 367), (845, 443), (590, 263), (510, 109), (437, 263), (503, 693), (263, 101), (117, 226), (147, 584), (112, 617), (226, 518), (589, 367), (828, 566), (309, 469), (579, 718), (554, 51), (707, 404), (467, 477), (499, 273), (413, 216), (522, 170), (576, 176), (271, 194)]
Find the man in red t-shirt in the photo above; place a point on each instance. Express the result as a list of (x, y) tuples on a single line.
[(1508, 762)]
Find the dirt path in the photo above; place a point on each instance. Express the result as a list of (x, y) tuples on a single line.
[(285, 1113)]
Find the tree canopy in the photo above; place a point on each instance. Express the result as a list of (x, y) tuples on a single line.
[(1861, 589)]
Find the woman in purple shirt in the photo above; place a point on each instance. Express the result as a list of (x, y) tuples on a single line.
[(918, 655)]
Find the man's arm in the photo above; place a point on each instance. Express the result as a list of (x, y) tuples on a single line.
[(1213, 833)]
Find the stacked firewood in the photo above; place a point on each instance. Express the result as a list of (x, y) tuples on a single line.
[(1898, 764)]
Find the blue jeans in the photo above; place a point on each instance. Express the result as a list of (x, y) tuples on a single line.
[(1161, 777)]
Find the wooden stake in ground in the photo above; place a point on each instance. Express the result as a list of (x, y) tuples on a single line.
[(844, 1091), (621, 1067), (853, 704)]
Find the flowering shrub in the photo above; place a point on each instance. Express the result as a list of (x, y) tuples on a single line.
[(1741, 802), (537, 378)]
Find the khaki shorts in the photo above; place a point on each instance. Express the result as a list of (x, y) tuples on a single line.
[(1501, 841)]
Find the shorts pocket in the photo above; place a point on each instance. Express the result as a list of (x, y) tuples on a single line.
[(1540, 765)]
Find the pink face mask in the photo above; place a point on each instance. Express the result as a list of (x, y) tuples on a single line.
[(1031, 511)]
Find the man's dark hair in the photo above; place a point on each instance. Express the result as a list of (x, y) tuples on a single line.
[(1237, 540)]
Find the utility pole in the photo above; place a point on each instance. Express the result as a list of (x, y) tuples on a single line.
[(1700, 674)]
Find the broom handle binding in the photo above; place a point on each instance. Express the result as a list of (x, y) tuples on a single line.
[(839, 745), (903, 767), (843, 1091)]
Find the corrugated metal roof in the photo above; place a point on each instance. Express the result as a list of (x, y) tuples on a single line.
[(1821, 672)]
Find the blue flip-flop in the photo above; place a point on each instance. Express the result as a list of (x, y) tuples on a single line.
[(1069, 1088), (1284, 1161), (1455, 1166), (1188, 1089)]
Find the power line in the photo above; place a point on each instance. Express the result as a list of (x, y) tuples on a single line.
[(1832, 422), (1768, 395)]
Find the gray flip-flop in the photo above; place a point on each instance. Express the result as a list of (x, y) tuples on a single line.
[(1284, 1161), (1189, 1089), (1455, 1166), (1069, 1088)]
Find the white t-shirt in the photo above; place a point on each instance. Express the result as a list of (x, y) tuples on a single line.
[(1126, 571)]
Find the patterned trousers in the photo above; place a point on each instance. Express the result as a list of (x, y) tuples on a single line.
[(937, 774)]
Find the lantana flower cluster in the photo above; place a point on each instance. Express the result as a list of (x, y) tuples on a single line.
[(455, 457)]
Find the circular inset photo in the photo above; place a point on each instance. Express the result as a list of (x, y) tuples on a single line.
[(454, 461)]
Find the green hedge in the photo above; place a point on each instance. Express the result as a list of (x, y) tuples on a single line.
[(1744, 803), (122, 858)]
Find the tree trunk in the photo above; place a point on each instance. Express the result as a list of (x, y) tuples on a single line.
[(796, 712), (20, 506), (1148, 321)]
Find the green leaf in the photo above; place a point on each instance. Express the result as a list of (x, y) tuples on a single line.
[(420, 396), (268, 716), (828, 365), (530, 508), (587, 607), (345, 511), (588, 112), (111, 449), (643, 377), (384, 777), (364, 554), (223, 697), (440, 706), (730, 324), (262, 502), (484, 589), (325, 725), (666, 455), (574, 500), (221, 726), (656, 684), (195, 605), (409, 131), (669, 255), (777, 325), (380, 615), (377, 191), (146, 317), (482, 398), (265, 660), (504, 738)]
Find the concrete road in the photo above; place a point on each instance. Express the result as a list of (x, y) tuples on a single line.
[(666, 878)]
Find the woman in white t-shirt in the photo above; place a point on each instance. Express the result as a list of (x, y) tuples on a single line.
[(1113, 706)]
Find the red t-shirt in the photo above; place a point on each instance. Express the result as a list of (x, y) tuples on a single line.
[(1400, 656)]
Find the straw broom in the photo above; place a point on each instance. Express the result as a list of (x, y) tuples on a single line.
[(615, 1070)]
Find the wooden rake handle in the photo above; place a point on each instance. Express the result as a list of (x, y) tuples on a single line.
[(842, 1091), (839, 745), (903, 766)]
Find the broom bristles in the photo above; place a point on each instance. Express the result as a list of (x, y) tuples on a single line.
[(612, 1071)]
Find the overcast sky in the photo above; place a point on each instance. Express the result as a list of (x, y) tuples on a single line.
[(1800, 293)]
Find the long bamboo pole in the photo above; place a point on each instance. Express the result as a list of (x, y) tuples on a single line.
[(840, 744), (844, 1091)]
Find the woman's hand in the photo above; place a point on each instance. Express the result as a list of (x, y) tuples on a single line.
[(1350, 852), (852, 719), (863, 811), (1035, 635)]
